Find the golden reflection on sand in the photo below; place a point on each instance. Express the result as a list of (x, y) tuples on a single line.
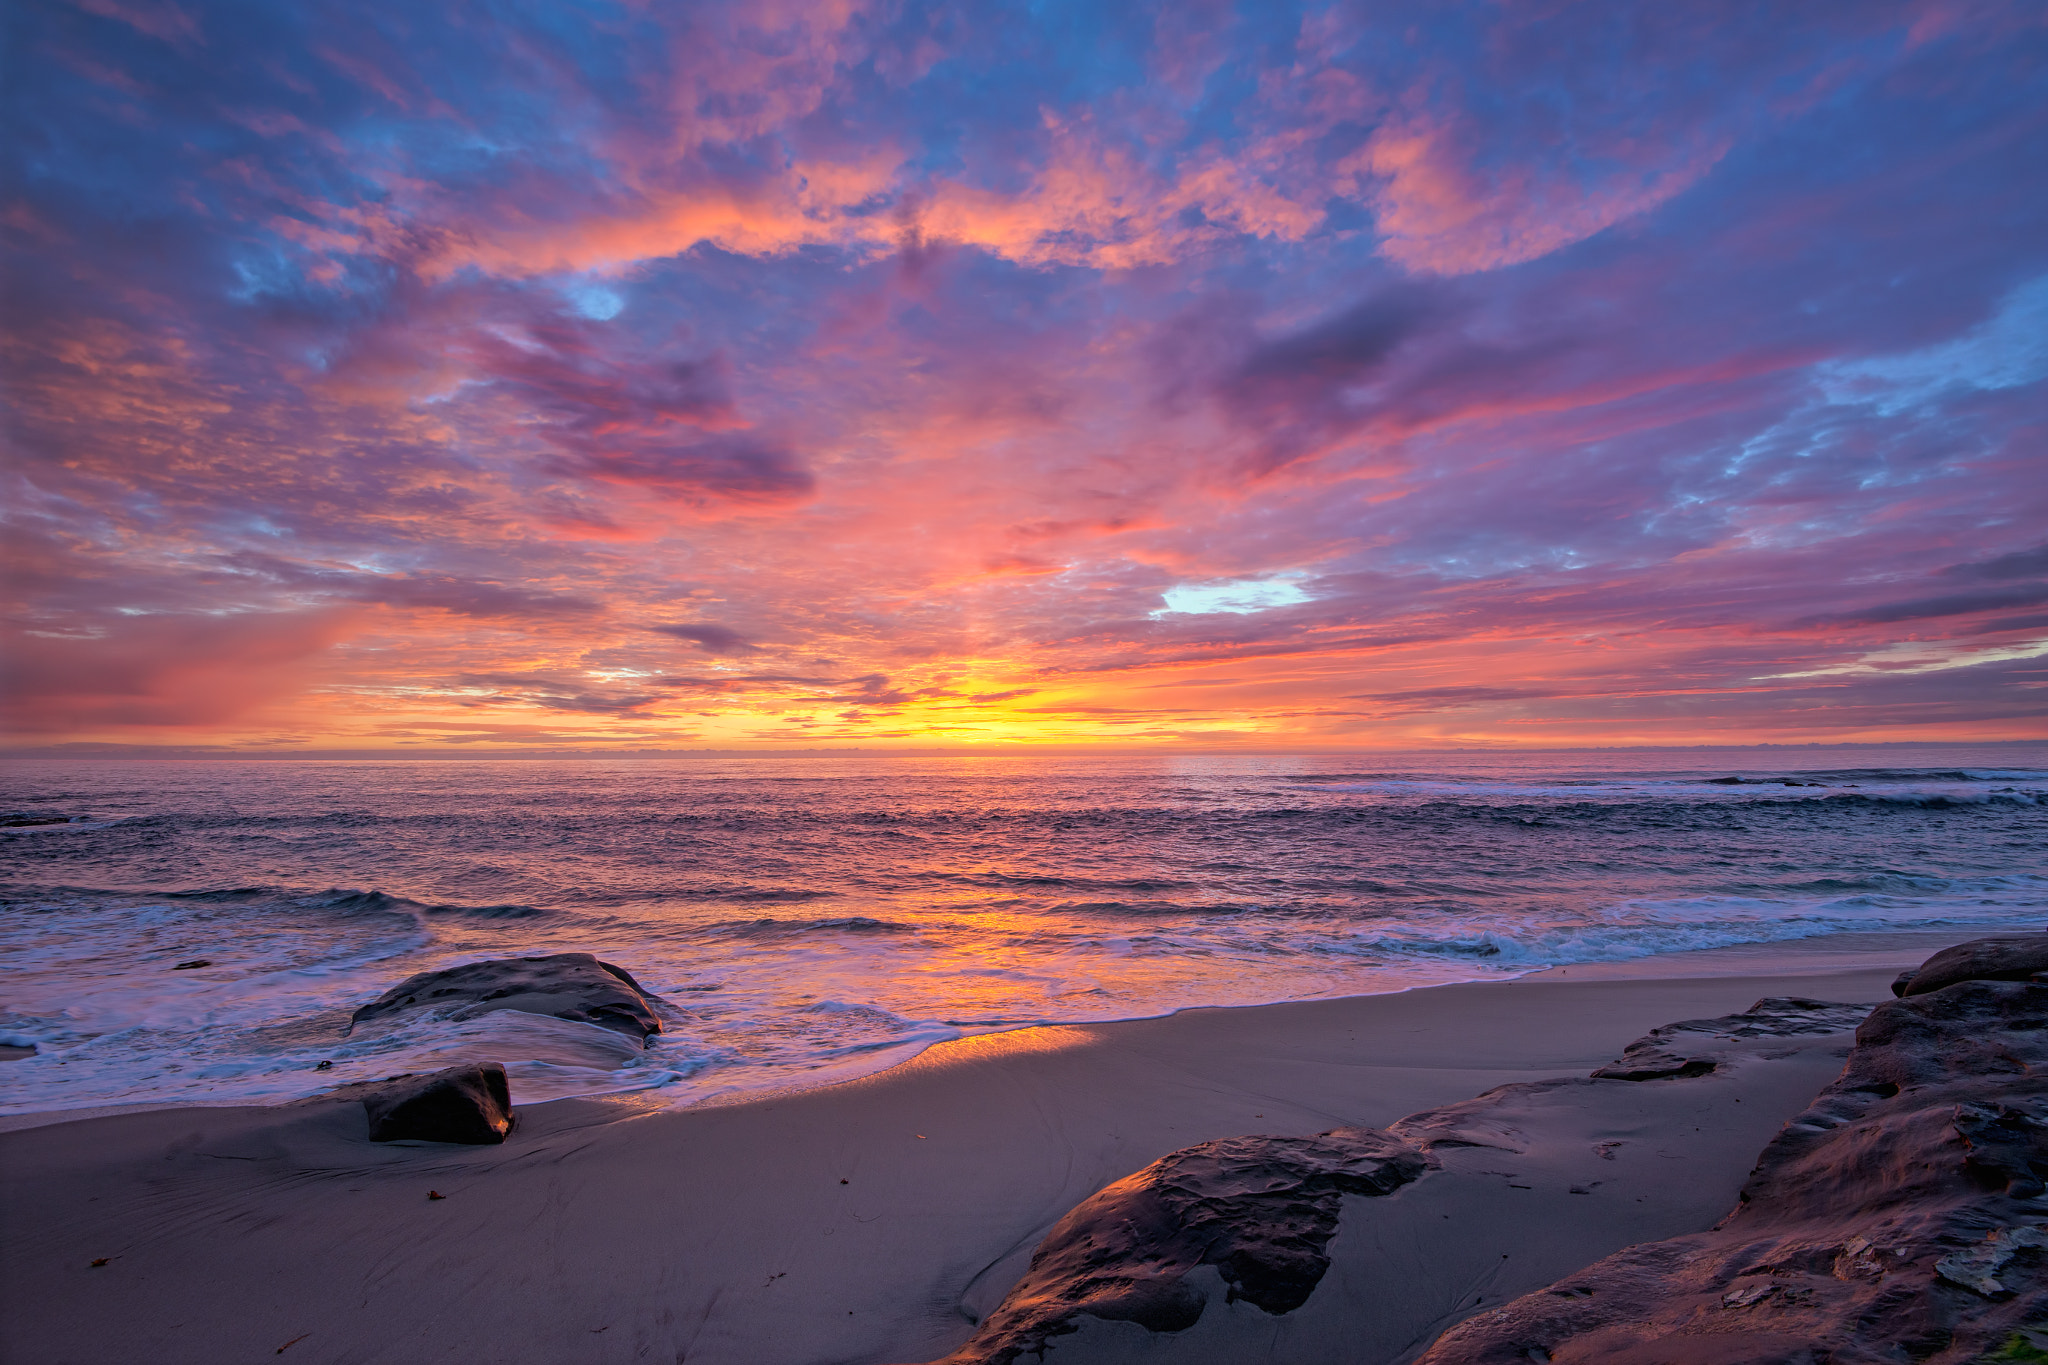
[(984, 1047)]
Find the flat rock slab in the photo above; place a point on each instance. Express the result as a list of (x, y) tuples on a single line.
[(1508, 1191), (1692, 1047), (468, 1104), (574, 986)]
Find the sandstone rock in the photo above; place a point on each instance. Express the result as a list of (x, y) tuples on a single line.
[(1895, 1220), (1687, 1047), (1261, 1210), (1388, 1274), (1984, 959), (471, 1104), (573, 986)]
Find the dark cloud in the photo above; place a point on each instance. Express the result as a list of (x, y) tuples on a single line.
[(711, 639), (1931, 608), (1302, 390), (735, 468), (2019, 564), (471, 597)]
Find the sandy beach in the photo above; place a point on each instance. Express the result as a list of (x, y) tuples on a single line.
[(874, 1221)]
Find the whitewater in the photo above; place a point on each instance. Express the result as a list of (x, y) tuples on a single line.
[(198, 931)]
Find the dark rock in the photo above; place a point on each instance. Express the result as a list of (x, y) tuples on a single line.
[(572, 986), (28, 821), (471, 1104), (1983, 959), (193, 965), (1893, 1221), (1261, 1210), (1685, 1048)]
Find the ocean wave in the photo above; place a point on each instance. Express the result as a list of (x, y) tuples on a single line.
[(1084, 890), (851, 924), (1056, 882)]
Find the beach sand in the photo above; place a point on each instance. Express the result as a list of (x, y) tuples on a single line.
[(870, 1221)]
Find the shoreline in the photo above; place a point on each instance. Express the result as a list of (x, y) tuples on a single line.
[(1821, 952), (863, 1222)]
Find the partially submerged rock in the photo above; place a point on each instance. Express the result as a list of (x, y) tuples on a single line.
[(1895, 1220), (1261, 1210), (574, 986), (2014, 958), (471, 1104)]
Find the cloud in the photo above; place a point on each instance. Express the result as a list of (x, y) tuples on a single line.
[(170, 671), (711, 639), (1951, 604), (1589, 371), (2018, 564)]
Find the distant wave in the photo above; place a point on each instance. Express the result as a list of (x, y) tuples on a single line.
[(851, 924)]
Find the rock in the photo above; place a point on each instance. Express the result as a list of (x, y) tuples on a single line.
[(1669, 1051), (28, 821), (1261, 1210), (1114, 1280), (573, 986), (1983, 959), (471, 1104), (1895, 1220)]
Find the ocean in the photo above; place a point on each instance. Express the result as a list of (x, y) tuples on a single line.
[(812, 917)]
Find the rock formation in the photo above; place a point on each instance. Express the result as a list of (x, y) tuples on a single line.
[(1261, 1210), (471, 1104), (1898, 1219), (573, 986), (1228, 1250), (1688, 1048), (1984, 959)]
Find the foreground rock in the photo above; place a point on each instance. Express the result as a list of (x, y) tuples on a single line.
[(1898, 1219), (574, 986), (468, 1104), (1260, 1210), (1360, 1246), (1985, 959)]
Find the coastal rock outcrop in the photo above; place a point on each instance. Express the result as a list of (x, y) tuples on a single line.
[(1690, 1046), (2013, 958), (1248, 1249), (574, 986), (469, 1104), (1261, 1210), (1898, 1219)]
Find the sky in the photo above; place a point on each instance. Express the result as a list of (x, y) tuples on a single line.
[(1527, 373)]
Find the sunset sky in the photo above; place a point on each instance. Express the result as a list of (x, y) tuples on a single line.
[(779, 374)]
